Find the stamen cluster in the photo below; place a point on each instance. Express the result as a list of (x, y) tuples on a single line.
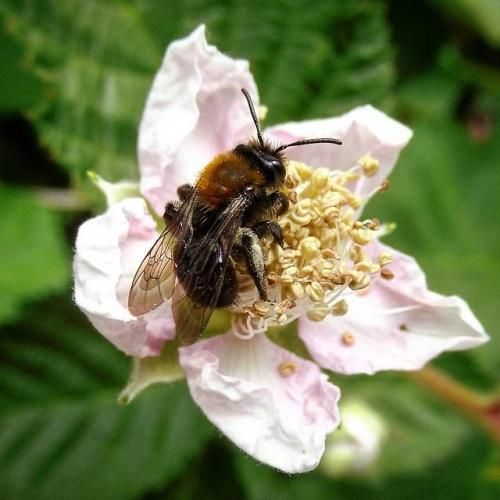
[(324, 251)]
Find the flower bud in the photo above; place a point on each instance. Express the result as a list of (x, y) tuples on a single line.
[(355, 447)]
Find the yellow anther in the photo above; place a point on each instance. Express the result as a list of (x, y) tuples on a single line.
[(340, 308), (309, 248), (355, 201), (331, 212), (261, 308), (320, 179), (319, 312), (303, 206), (307, 270), (315, 291), (359, 280), (367, 266), (290, 271), (362, 236), (347, 215), (301, 220), (301, 169), (369, 165), (324, 244), (289, 253), (357, 253), (329, 253), (287, 368), (297, 290), (302, 232), (385, 258), (281, 319)]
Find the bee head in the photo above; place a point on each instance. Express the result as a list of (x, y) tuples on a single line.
[(267, 160), (264, 159)]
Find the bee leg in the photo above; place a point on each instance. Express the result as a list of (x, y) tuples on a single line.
[(247, 243), (269, 230), (267, 207), (278, 203), (184, 191), (171, 210)]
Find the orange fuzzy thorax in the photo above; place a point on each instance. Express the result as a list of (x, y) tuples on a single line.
[(224, 177)]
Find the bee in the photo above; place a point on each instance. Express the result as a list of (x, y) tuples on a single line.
[(217, 222)]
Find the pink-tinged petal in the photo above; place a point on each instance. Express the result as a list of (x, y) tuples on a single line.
[(364, 130), (109, 249), (195, 110), (275, 406), (394, 324)]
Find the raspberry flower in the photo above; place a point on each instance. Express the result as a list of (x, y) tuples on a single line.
[(361, 306)]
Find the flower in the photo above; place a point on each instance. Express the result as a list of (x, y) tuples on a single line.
[(355, 448), (358, 311)]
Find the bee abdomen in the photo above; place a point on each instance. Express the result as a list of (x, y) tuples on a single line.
[(212, 281)]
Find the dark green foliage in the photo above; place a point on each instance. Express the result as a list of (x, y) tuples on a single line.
[(62, 432), (79, 71), (98, 65), (34, 259)]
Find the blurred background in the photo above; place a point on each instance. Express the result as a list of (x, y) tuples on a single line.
[(74, 77)]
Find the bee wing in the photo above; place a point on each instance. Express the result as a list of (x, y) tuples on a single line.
[(215, 247), (190, 318), (153, 282), (155, 279)]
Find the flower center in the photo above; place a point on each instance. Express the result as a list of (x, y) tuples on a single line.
[(324, 253)]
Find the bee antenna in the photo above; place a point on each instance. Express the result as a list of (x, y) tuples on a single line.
[(323, 140), (254, 115)]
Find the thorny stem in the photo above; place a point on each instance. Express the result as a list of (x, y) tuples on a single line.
[(482, 409)]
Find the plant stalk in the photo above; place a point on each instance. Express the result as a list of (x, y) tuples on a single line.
[(482, 409)]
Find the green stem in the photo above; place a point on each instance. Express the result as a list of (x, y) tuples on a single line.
[(61, 199), (483, 410)]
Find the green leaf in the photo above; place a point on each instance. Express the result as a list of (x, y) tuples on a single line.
[(98, 65), (62, 433), (421, 430), (483, 15), (424, 438), (463, 476), (263, 482), (34, 260), (431, 95), (20, 89)]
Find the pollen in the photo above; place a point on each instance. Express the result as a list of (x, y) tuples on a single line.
[(324, 253), (348, 338), (340, 308), (287, 368), (384, 258), (369, 165), (387, 274)]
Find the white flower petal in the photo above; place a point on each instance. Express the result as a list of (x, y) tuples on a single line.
[(281, 420), (395, 324), (364, 130), (195, 110), (109, 249)]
